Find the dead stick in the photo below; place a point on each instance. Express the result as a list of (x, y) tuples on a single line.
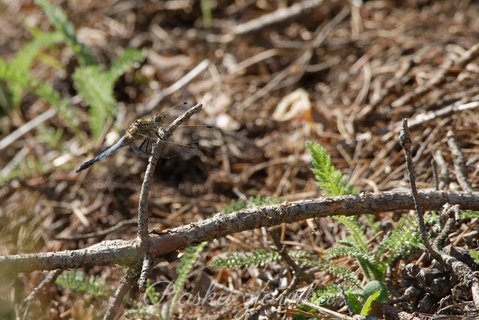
[(129, 252), (405, 141), (459, 161), (163, 134), (126, 283)]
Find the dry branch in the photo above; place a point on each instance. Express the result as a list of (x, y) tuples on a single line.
[(281, 15), (129, 252), (450, 65), (459, 161)]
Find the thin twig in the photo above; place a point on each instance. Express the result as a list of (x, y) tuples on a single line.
[(450, 212), (183, 81), (278, 16), (145, 271), (298, 274), (405, 141), (12, 137), (443, 170), (440, 78), (283, 252), (435, 175), (51, 277), (459, 162), (442, 113), (332, 314), (298, 67), (126, 283)]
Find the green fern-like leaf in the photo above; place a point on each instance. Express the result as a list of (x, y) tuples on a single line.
[(260, 258), (358, 237), (129, 58), (403, 239), (332, 295), (62, 24), (26, 55), (235, 205), (50, 95), (29, 167), (15, 72), (474, 255), (239, 260), (468, 214), (343, 251), (53, 137), (183, 270), (345, 274), (332, 181), (95, 86), (79, 282)]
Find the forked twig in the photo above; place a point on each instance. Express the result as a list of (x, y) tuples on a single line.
[(163, 134)]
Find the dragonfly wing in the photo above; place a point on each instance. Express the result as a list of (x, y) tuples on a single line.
[(182, 149), (144, 149)]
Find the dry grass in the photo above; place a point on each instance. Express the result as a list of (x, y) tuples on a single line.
[(346, 76)]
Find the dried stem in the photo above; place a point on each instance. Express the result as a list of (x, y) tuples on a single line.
[(163, 135), (405, 140), (126, 283), (50, 278), (459, 162), (183, 81), (440, 78)]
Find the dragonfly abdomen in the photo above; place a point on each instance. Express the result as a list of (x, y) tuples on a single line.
[(119, 144)]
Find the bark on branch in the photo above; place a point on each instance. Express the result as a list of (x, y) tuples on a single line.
[(129, 252)]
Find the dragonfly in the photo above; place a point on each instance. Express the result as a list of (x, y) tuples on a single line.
[(142, 130)]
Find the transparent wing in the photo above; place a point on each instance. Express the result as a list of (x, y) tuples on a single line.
[(145, 148)]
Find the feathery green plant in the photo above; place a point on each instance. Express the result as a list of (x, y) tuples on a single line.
[(91, 80), (97, 85), (400, 241), (332, 181), (62, 24), (183, 270), (14, 74), (241, 259), (469, 214), (77, 281), (474, 255)]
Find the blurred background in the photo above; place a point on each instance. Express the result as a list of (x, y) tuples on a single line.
[(270, 75)]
